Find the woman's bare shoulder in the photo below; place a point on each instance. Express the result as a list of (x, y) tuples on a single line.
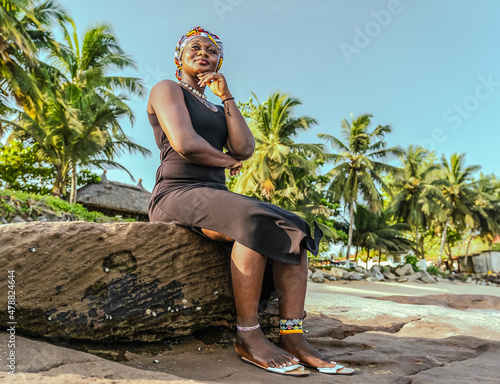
[(165, 91)]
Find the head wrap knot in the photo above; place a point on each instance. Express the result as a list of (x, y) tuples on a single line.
[(191, 34)]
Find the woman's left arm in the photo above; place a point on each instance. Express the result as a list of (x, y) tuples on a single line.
[(240, 143)]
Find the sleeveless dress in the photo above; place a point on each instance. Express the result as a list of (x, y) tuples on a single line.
[(196, 197)]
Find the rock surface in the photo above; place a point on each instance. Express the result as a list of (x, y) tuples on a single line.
[(41, 362), (376, 273), (386, 342), (114, 282), (405, 270), (318, 277)]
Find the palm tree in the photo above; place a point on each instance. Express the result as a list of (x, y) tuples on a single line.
[(417, 198), (374, 231), (357, 167), (278, 170), (456, 184), (78, 122), (91, 90), (24, 31), (485, 211), (282, 171)]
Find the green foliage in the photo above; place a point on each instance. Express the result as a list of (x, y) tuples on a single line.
[(69, 105), (86, 177), (413, 260), (282, 171), (23, 203), (358, 170), (374, 231), (433, 270), (22, 169), (495, 247)]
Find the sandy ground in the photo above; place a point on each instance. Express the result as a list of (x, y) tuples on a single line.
[(364, 288), (382, 330)]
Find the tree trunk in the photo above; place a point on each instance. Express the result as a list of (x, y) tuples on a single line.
[(72, 196), (450, 256), (447, 251), (443, 241), (422, 246), (57, 190), (367, 258), (379, 256), (467, 251), (351, 225), (356, 256), (416, 242)]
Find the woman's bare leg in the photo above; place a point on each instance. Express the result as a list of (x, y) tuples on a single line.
[(247, 272), (291, 282)]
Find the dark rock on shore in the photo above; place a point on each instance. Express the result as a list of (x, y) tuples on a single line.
[(114, 282)]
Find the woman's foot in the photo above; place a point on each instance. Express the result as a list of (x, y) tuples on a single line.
[(254, 346), (296, 344)]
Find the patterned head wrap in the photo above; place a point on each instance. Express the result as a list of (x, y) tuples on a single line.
[(192, 33)]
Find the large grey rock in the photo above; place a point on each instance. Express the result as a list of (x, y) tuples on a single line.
[(355, 276), (405, 270), (427, 278), (389, 275), (340, 273), (376, 273), (318, 277), (413, 279), (114, 282), (440, 279)]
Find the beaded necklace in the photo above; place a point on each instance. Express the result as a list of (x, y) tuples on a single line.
[(201, 96)]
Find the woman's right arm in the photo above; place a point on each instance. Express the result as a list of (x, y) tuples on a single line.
[(166, 100)]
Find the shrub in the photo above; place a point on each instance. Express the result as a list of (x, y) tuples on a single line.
[(433, 270), (24, 201), (413, 260)]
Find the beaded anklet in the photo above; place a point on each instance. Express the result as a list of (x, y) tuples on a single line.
[(290, 326), (248, 328)]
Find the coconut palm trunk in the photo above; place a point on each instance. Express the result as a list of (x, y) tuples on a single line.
[(467, 251), (351, 226), (72, 196), (443, 240), (416, 241)]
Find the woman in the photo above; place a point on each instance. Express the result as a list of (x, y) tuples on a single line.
[(190, 191)]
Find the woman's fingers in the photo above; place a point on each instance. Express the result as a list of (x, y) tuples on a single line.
[(209, 77), (233, 171), (236, 170), (215, 81)]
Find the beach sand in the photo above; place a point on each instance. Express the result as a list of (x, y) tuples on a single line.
[(388, 332)]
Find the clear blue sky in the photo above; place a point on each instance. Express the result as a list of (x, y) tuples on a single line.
[(428, 68)]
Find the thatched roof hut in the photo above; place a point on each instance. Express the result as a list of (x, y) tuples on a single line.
[(113, 198)]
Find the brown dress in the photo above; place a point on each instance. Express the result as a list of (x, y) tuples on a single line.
[(196, 197)]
